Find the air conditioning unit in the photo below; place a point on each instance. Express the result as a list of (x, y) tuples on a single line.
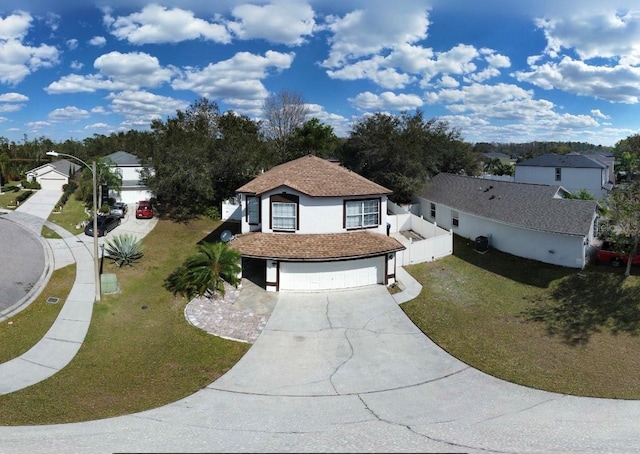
[(482, 244)]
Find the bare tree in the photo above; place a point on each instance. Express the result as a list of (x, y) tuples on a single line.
[(284, 112)]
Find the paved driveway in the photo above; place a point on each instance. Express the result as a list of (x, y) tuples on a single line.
[(348, 372)]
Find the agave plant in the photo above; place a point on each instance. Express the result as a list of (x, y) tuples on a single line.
[(124, 249)]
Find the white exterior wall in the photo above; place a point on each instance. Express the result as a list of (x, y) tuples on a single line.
[(556, 249), (130, 173), (316, 214), (572, 179)]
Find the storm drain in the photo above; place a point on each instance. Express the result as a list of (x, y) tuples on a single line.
[(53, 300)]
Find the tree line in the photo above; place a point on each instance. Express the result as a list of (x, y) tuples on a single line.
[(195, 159)]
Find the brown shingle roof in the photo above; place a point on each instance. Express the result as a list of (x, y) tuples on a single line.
[(314, 247), (315, 177)]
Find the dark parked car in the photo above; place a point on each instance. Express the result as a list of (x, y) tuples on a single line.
[(144, 210), (105, 225), (119, 209)]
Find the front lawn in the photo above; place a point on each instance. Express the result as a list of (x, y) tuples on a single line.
[(542, 326), (140, 351)]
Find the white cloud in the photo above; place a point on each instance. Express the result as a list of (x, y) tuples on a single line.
[(239, 77), (98, 41), (68, 114), (18, 60), (75, 83), (386, 100), (141, 107), (361, 33), (11, 107), (72, 44), (97, 126), (13, 97), (599, 114), (16, 26), (118, 71), (156, 24), (137, 69), (286, 22), (620, 83), (607, 34)]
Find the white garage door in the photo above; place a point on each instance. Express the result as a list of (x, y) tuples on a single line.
[(52, 183), (331, 275)]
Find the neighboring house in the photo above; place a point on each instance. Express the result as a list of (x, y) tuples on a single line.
[(53, 175), (129, 167), (311, 224), (572, 171), (527, 220)]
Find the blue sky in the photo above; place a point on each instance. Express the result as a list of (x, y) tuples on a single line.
[(498, 70)]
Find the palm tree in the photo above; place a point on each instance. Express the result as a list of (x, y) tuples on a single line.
[(205, 272)]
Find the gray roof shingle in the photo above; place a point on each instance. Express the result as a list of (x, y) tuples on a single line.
[(124, 159), (563, 160), (531, 206)]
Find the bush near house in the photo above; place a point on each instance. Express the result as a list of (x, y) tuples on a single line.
[(26, 184)]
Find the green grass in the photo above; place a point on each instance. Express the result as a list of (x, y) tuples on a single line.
[(546, 327), (8, 198), (140, 351), (72, 214), (542, 326), (20, 332)]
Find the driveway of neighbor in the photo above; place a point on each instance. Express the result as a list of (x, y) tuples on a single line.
[(348, 372)]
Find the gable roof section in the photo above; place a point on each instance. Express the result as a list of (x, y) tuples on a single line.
[(563, 160), (531, 206), (60, 166), (124, 159), (315, 177)]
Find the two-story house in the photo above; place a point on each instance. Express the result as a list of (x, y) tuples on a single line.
[(312, 224), (129, 167), (572, 171)]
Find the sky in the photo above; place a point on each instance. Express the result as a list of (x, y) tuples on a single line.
[(498, 71)]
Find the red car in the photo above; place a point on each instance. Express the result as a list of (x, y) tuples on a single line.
[(144, 210)]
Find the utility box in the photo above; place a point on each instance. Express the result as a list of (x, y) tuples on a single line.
[(482, 244)]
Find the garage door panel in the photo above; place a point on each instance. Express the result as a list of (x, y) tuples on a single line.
[(330, 275)]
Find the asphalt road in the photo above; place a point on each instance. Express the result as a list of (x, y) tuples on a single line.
[(22, 263)]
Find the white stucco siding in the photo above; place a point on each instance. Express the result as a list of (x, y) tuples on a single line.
[(553, 248), (315, 214), (315, 276), (130, 173)]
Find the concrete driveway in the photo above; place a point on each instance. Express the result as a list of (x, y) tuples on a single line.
[(349, 372)]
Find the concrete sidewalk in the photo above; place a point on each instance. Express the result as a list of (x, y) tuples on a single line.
[(63, 340)]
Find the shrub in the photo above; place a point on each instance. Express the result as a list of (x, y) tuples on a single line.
[(213, 213), (124, 249), (30, 184)]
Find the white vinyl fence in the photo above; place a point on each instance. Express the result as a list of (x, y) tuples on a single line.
[(424, 241)]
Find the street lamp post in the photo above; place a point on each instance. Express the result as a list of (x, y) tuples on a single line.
[(96, 262)]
